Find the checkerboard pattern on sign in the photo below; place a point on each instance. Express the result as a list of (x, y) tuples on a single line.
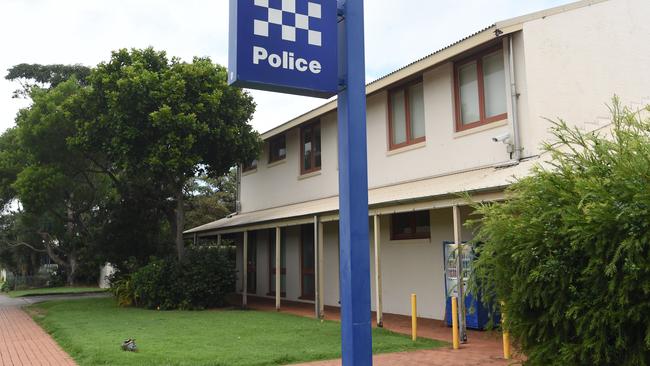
[(276, 17)]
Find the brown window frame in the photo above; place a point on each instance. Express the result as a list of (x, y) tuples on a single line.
[(413, 221), (283, 270), (252, 166), (483, 120), (306, 271), (313, 168), (272, 142), (409, 141)]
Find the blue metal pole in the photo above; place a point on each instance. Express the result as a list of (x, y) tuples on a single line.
[(354, 276)]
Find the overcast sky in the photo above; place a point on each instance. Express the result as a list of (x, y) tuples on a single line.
[(86, 31)]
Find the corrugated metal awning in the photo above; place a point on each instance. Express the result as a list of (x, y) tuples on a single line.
[(380, 199)]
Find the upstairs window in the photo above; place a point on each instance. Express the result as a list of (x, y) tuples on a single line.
[(406, 115), (480, 90), (410, 225), (277, 148), (310, 156), (249, 167)]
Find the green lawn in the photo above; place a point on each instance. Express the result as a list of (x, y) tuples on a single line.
[(54, 291), (91, 330)]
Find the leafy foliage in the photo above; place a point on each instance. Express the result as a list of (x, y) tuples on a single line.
[(569, 251), (105, 161), (44, 76), (210, 199), (162, 122), (60, 193), (201, 281)]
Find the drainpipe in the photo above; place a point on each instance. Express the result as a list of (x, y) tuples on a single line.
[(515, 98)]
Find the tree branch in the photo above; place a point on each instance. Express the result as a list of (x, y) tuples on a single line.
[(47, 240), (22, 243)]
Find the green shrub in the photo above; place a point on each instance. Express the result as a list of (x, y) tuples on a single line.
[(569, 251), (202, 280), (5, 286)]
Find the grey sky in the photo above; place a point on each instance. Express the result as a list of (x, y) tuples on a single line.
[(86, 31)]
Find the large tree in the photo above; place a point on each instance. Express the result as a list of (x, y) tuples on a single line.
[(210, 199), (161, 122), (61, 194), (569, 251)]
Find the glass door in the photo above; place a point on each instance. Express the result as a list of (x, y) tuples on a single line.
[(307, 277), (251, 287), (283, 263)]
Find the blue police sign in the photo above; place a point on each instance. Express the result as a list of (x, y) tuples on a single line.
[(287, 46)]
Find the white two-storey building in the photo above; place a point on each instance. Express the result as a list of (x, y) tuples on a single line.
[(466, 119)]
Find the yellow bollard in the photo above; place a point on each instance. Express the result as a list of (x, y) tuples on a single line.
[(506, 336), (506, 345), (414, 317), (454, 322)]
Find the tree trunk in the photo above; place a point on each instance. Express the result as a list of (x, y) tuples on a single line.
[(180, 224), (72, 269), (72, 258)]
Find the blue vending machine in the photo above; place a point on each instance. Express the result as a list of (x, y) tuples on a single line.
[(477, 315)]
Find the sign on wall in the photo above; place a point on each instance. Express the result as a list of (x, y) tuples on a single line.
[(287, 46)]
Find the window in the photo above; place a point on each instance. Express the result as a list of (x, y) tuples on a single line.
[(410, 225), (310, 158), (480, 90), (406, 115), (249, 167), (277, 148)]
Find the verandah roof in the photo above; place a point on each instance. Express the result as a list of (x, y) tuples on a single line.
[(441, 189)]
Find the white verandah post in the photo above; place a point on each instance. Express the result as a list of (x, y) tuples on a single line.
[(278, 263), (378, 287), (316, 269), (244, 300), (459, 274), (320, 270)]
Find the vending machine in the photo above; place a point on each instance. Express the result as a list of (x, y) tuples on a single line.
[(477, 315)]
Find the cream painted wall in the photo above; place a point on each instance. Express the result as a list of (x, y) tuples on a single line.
[(444, 151), (567, 65), (415, 266), (281, 184), (331, 264), (576, 61), (411, 266), (293, 262)]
